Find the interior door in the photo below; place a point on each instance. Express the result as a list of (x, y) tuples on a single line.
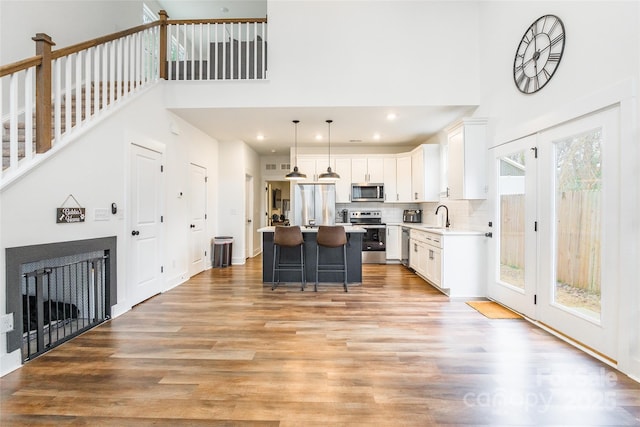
[(197, 218), (579, 201), (512, 280), (249, 223), (146, 226)]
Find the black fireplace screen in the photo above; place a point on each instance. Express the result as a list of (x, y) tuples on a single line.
[(56, 291), (61, 298)]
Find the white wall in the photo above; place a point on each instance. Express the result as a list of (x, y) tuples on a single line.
[(20, 20), (600, 66), (94, 168), (350, 53)]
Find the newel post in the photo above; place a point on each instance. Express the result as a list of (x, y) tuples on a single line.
[(43, 93), (163, 44)]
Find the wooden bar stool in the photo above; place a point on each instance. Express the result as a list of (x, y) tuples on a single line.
[(287, 237), (331, 236)]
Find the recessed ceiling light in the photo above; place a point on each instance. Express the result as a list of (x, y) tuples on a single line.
[(273, 150), (318, 137), (376, 136), (260, 137), (391, 116)]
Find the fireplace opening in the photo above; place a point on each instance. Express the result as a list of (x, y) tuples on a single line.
[(54, 299)]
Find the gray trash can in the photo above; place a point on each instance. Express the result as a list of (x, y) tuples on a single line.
[(221, 251)]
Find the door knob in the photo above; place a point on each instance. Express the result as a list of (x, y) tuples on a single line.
[(489, 234), (135, 233), (192, 226)]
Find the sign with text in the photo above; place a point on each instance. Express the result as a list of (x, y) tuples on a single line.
[(69, 215)]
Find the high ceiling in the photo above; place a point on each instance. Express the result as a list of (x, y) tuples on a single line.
[(270, 131)]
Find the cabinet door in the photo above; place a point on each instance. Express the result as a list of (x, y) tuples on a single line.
[(456, 164), (307, 166), (403, 179), (359, 170), (343, 185), (434, 265), (390, 186), (393, 242), (375, 169), (467, 157), (417, 175)]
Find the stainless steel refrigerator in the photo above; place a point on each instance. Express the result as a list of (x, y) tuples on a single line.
[(315, 204)]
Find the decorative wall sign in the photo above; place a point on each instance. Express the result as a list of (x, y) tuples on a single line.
[(68, 215)]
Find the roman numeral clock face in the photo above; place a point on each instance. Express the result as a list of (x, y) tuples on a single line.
[(539, 54)]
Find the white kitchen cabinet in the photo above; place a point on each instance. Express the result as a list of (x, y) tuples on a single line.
[(313, 166), (417, 256), (466, 160), (425, 173), (343, 185), (452, 262), (393, 242), (390, 180), (403, 179), (367, 169)]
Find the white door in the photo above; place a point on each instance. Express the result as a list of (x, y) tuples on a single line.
[(146, 223), (197, 218), (513, 264), (579, 189), (248, 251)]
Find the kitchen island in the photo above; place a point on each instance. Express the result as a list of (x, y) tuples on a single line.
[(327, 256)]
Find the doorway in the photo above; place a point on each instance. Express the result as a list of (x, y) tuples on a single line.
[(555, 249), (278, 203), (197, 218), (146, 226)]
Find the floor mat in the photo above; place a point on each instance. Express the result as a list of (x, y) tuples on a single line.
[(493, 310)]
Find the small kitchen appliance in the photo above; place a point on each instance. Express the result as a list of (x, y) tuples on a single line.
[(412, 216)]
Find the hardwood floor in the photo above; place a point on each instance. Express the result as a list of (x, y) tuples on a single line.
[(223, 349)]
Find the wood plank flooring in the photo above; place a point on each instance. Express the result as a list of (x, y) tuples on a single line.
[(223, 350)]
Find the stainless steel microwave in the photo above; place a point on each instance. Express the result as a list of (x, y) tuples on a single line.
[(367, 192)]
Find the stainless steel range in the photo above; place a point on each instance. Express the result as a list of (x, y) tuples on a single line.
[(374, 248)]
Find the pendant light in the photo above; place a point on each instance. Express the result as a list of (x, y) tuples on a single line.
[(295, 175), (329, 175)]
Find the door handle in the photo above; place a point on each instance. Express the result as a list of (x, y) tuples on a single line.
[(489, 234), (192, 226), (248, 220), (135, 233)]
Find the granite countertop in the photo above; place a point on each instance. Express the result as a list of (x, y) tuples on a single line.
[(347, 228), (452, 231)]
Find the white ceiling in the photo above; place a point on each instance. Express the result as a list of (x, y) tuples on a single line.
[(352, 126)]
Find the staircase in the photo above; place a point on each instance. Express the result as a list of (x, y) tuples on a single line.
[(21, 125)]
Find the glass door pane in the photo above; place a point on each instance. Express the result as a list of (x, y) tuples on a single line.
[(511, 185), (578, 198)]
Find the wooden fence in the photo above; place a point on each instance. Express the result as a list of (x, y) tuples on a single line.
[(578, 237)]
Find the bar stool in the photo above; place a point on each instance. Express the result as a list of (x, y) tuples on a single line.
[(331, 236), (287, 237)]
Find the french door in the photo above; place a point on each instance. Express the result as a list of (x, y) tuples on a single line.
[(579, 200), (555, 247), (514, 264)]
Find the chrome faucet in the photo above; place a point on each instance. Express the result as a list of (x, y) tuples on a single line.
[(447, 224)]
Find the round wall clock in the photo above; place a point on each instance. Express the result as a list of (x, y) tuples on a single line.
[(539, 54)]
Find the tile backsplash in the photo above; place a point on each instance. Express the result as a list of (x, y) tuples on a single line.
[(463, 214)]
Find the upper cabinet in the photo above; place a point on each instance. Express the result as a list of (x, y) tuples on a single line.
[(403, 179), (425, 173), (343, 185), (466, 160), (367, 169), (312, 166)]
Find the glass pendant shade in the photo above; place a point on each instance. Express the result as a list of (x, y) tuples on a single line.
[(329, 175), (295, 174)]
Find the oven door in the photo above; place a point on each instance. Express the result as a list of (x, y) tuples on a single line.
[(374, 247)]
